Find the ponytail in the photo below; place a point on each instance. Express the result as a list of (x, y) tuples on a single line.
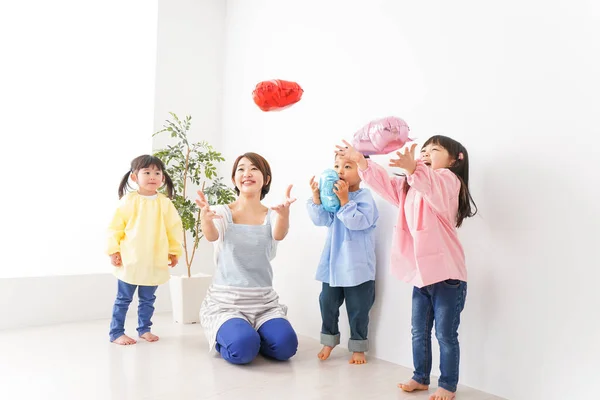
[(124, 184), (170, 186)]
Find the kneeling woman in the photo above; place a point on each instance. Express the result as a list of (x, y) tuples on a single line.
[(241, 314)]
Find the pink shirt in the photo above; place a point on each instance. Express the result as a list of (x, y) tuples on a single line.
[(425, 247)]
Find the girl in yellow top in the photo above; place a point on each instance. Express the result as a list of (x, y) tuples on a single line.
[(145, 238)]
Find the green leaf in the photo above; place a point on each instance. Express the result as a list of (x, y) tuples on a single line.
[(201, 168)]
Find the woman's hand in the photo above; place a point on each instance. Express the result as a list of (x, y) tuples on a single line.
[(283, 209)]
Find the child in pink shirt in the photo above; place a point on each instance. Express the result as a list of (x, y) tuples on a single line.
[(433, 199)]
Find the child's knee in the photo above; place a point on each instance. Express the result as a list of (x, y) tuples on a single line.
[(446, 337)]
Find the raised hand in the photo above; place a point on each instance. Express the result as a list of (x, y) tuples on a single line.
[(283, 209), (206, 214), (350, 153), (406, 160), (314, 186)]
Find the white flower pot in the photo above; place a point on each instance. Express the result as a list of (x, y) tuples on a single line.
[(187, 295)]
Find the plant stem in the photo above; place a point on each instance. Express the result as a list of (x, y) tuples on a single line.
[(198, 237), (185, 248)]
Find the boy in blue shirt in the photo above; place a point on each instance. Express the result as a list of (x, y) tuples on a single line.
[(347, 265)]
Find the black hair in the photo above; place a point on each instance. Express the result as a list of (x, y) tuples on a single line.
[(141, 162)]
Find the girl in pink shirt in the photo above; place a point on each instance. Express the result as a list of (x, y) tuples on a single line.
[(433, 199)]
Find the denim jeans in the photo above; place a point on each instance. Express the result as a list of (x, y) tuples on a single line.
[(125, 293), (359, 300), (239, 343), (441, 303)]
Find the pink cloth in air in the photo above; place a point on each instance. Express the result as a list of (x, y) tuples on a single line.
[(381, 136)]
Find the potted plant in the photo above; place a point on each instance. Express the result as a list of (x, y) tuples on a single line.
[(188, 165)]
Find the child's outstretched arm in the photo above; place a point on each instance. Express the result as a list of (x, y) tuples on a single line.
[(438, 187), (374, 175), (316, 212), (282, 225)]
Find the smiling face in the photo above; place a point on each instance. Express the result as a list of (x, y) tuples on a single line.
[(251, 175)]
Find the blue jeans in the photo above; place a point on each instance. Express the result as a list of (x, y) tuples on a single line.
[(359, 300), (239, 343), (125, 293), (441, 303)]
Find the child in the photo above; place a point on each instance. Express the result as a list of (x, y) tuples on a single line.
[(347, 265), (241, 315), (145, 238), (434, 200)]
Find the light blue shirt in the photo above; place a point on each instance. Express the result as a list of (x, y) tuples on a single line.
[(348, 258)]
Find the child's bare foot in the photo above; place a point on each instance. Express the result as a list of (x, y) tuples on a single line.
[(149, 337), (324, 353), (442, 394), (412, 385), (358, 358), (124, 340)]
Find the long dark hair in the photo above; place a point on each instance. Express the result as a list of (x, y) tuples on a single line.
[(142, 162), (460, 167)]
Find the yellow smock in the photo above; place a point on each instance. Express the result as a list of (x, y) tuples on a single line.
[(145, 230)]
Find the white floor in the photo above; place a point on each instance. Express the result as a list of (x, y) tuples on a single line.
[(76, 361)]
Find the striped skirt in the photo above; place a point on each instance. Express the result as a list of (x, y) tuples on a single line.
[(222, 303)]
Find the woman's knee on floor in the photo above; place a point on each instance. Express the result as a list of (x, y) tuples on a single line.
[(237, 341), (279, 340)]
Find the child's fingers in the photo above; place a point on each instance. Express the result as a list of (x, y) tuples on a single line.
[(412, 149), (348, 145)]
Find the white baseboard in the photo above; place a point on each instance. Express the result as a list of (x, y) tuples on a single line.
[(59, 299)]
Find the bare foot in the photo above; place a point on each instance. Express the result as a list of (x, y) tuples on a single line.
[(124, 340), (412, 385), (442, 394), (324, 353), (358, 358), (149, 337)]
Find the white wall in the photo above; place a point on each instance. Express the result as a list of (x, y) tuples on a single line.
[(47, 300), (189, 80), (187, 56), (517, 83), (77, 104)]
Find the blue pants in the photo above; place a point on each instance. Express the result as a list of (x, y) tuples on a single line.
[(239, 343), (125, 293), (441, 303), (359, 300)]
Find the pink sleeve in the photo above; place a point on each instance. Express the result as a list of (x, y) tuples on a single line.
[(439, 188), (377, 178)]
